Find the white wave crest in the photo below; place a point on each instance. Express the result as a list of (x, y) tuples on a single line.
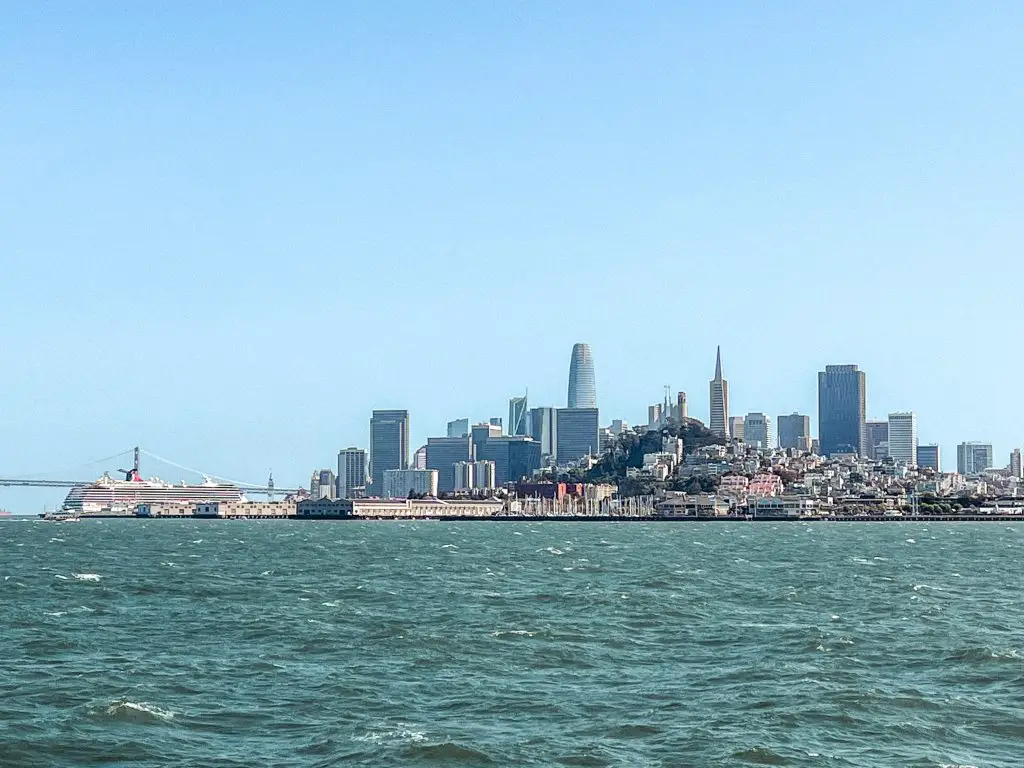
[(87, 576)]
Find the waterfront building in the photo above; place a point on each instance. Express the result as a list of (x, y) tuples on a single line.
[(875, 434), (514, 457), (517, 416), (719, 391), (582, 383), (758, 432), (682, 411), (842, 400), (1016, 469), (389, 446), (543, 429), (323, 484), (928, 457), (458, 428), (443, 453), (577, 436), (795, 431), (736, 428), (903, 437), (399, 483), (351, 473), (973, 458)]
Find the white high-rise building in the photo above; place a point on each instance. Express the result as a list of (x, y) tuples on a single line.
[(351, 473), (903, 437), (758, 432), (719, 391), (399, 482)]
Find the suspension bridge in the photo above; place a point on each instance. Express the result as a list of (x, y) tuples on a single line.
[(37, 481)]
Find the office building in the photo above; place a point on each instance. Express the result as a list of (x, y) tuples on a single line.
[(758, 432), (973, 458), (842, 398), (419, 458), (323, 484), (351, 473), (463, 473), (582, 383), (719, 422), (928, 457), (654, 416), (517, 416), (578, 436), (458, 428), (736, 430), (514, 457), (876, 433), (399, 483), (484, 476), (389, 446), (443, 453), (619, 426), (483, 432), (1016, 469), (682, 411), (543, 429), (903, 437), (495, 421), (795, 431)]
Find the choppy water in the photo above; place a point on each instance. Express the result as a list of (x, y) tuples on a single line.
[(205, 643)]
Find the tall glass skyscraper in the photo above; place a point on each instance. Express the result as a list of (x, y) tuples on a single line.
[(517, 416), (389, 446), (719, 422), (841, 410), (582, 385)]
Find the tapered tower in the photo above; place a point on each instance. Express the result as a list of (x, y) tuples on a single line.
[(719, 422), (582, 386)]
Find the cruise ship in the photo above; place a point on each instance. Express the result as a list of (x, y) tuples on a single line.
[(110, 496)]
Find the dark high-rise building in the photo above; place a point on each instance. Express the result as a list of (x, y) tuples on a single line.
[(514, 457), (876, 435), (578, 433), (483, 432), (544, 429), (518, 416), (582, 384), (928, 457), (351, 473), (389, 446), (842, 398), (458, 428), (443, 453), (792, 428), (719, 389)]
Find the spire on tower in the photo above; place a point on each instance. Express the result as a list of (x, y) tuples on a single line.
[(718, 365)]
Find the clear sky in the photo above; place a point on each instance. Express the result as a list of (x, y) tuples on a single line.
[(230, 230)]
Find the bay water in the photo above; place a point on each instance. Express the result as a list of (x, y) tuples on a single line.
[(243, 643)]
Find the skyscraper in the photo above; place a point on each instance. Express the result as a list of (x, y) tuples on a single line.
[(517, 416), (757, 431), (458, 428), (736, 431), (389, 446), (794, 431), (582, 385), (514, 457), (973, 458), (1016, 468), (719, 422), (842, 398), (876, 433), (928, 457), (903, 437), (578, 433), (351, 473), (443, 453), (543, 429)]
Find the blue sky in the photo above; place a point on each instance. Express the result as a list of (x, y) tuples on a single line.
[(228, 231)]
